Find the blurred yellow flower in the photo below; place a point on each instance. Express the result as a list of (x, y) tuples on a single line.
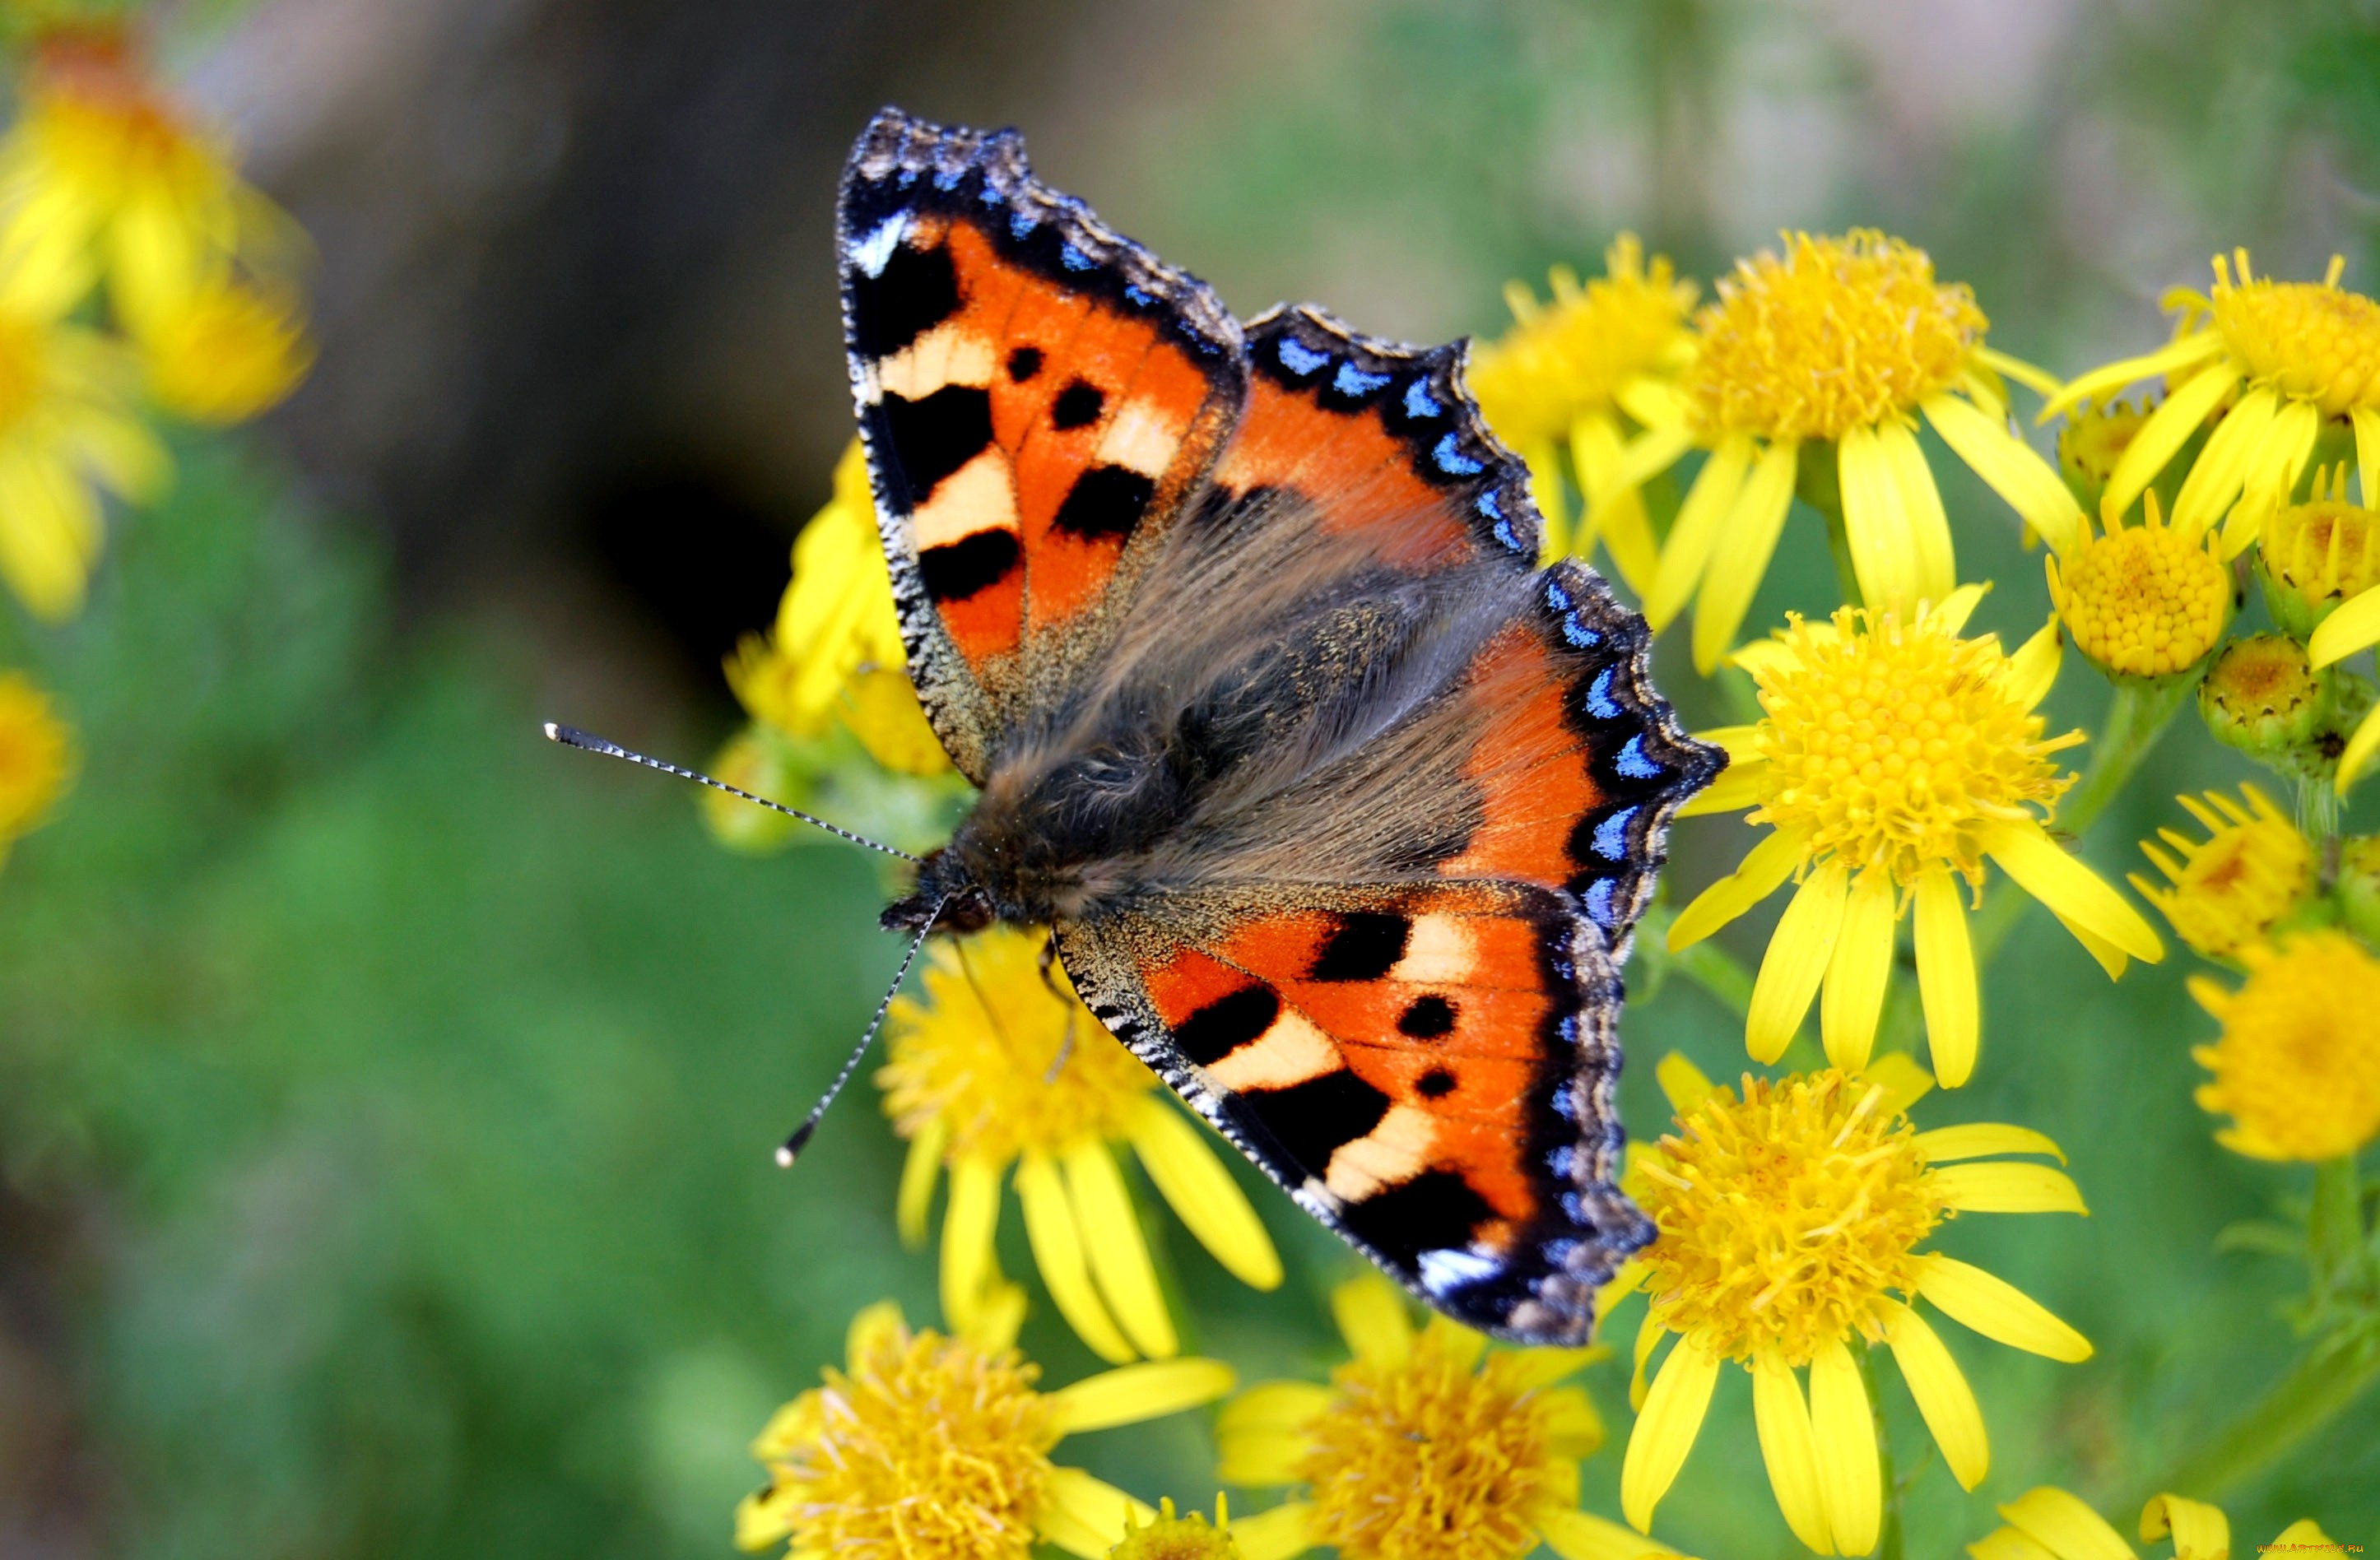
[(36, 758), (2144, 602), (993, 1069), (1425, 1445), (1840, 341), (1789, 1222), (2253, 868), (1890, 761), (925, 1447), (1587, 370), (2050, 1524), (2297, 1065), (836, 650), (2304, 352), (231, 353)]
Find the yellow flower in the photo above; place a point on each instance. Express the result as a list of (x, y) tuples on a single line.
[(2050, 1524), (1587, 370), (2252, 869), (2146, 601), (1844, 342), (2297, 1065), (1789, 1222), (983, 1074), (2315, 558), (64, 430), (36, 758), (1890, 761), (925, 1447), (231, 353), (1425, 1445), (103, 175), (2305, 353), (1178, 1538), (836, 647)]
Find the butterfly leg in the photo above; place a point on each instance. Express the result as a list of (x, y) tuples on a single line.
[(1066, 1045)]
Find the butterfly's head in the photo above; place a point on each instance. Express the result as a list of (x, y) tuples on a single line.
[(946, 899)]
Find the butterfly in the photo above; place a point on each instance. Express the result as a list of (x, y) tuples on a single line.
[(1338, 809)]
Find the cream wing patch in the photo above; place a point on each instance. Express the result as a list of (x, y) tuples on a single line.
[(1289, 1053), (978, 496), (1439, 951), (1397, 1149)]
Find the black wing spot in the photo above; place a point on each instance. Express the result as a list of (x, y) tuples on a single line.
[(936, 436), (1225, 1025), (1316, 1119), (1427, 1018), (1024, 363), (917, 290), (1437, 1083), (1365, 946), (1106, 501), (1077, 406), (957, 570), (1432, 1212)]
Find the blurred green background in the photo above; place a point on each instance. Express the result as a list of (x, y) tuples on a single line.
[(386, 1097)]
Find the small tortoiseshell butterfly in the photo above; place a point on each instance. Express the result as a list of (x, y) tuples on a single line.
[(1338, 809)]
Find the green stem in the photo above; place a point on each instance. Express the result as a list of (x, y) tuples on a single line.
[(1705, 963), (1817, 483), (2333, 1374), (1890, 1541)]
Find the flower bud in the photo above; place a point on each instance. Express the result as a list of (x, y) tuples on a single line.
[(2315, 555), (2359, 886)]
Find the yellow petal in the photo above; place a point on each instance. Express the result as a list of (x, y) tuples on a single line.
[(1765, 656), (1627, 535), (1756, 876), (2065, 1526), (1843, 1428), (1857, 973), (968, 1227), (1459, 1345), (1277, 1534), (2305, 1533), (1903, 1081), (1799, 952), (1572, 1427), (1790, 1451), (874, 1327), (1989, 1304), (1201, 1191), (1741, 743), (1876, 527), (2033, 671), (2367, 455), (2010, 1186), (1058, 1252), (1665, 1431), (1697, 530), (1553, 503), (2028, 854), (1735, 575), (1658, 406), (1132, 1393), (1534, 1370), (2103, 382), (2167, 428), (2010, 467), (2200, 1532), (1614, 510), (2041, 381), (1371, 1315), (1945, 978), (1649, 1333), (1742, 785), (1944, 1399), (2352, 627), (920, 1173), (1955, 609), (1260, 1437), (1978, 1138), (2216, 476), (1118, 1251), (1273, 1406), (1659, 447), (2113, 959), (2006, 1543), (1920, 504), (1581, 1535), (1086, 1516), (2359, 751), (1682, 1082)]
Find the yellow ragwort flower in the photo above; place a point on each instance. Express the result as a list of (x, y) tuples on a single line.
[(36, 758), (925, 1447), (836, 650), (2297, 1065), (1789, 1222), (2228, 892), (2143, 602), (2050, 1524), (1588, 369), (1425, 1445), (983, 1074), (1891, 759), (1844, 342), (2305, 354), (231, 353)]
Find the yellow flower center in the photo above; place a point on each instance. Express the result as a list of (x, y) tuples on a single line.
[(2308, 340), (2143, 601), (1785, 1218), (1839, 334), (979, 1052), (1894, 746), (36, 753), (2252, 869), (2298, 1066), (1568, 357), (929, 1449), (1174, 1538), (1427, 1460), (2325, 550)]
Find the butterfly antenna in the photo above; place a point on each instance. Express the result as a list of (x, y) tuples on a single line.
[(571, 736), (799, 1137)]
